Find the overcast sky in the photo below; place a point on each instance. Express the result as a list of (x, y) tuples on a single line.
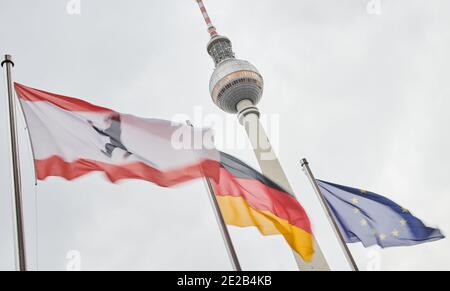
[(363, 96)]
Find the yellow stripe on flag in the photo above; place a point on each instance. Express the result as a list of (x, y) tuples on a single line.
[(236, 211)]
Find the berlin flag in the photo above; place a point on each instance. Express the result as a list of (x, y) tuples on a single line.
[(71, 138)]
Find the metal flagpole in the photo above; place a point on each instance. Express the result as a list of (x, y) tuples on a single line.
[(223, 227), (7, 63), (221, 222), (343, 244)]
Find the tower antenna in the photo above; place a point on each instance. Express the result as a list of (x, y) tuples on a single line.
[(211, 28)]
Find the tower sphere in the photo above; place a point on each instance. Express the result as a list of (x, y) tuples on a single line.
[(233, 80)]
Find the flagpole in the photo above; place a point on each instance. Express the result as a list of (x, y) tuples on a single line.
[(343, 244), (7, 63), (223, 227), (221, 222)]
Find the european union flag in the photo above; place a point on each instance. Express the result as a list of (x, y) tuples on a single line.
[(372, 219)]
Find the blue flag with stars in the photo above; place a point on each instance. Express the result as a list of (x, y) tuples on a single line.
[(371, 219)]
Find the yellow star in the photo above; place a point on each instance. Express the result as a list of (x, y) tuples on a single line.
[(382, 236), (356, 210), (404, 210), (363, 222), (395, 233), (363, 191), (355, 200), (403, 222)]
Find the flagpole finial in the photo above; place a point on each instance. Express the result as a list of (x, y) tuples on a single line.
[(304, 163), (7, 59)]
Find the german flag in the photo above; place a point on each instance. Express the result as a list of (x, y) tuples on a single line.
[(248, 198)]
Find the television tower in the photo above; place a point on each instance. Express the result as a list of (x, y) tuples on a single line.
[(236, 87)]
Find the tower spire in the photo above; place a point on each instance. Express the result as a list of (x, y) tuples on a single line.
[(219, 47), (211, 28)]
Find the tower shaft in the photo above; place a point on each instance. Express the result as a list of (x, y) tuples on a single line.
[(271, 167)]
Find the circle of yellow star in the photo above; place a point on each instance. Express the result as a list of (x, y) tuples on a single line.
[(395, 233)]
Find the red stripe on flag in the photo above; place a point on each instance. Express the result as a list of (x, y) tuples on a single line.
[(57, 167), (263, 198), (64, 102)]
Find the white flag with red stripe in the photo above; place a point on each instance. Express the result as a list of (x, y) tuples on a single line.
[(71, 138)]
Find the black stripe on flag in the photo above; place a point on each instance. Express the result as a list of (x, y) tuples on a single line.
[(239, 169)]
